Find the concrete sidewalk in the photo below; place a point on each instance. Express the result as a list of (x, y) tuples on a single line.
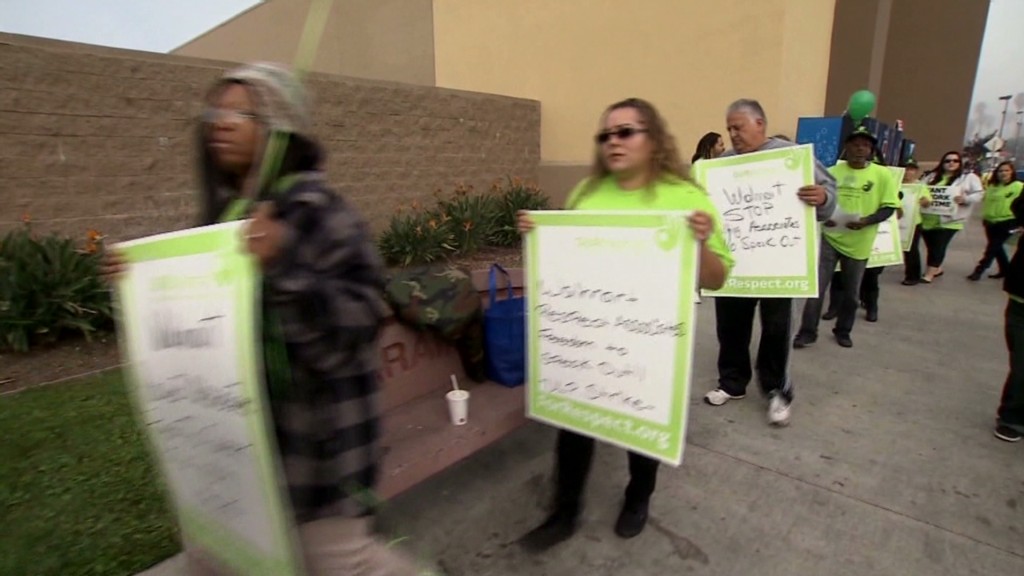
[(889, 466)]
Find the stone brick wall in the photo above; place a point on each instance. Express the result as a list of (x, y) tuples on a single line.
[(94, 138)]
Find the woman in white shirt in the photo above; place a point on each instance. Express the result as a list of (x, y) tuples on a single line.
[(938, 231)]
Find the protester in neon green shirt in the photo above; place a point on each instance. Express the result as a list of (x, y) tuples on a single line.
[(998, 219), (912, 257), (870, 289), (637, 167), (938, 231), (866, 196)]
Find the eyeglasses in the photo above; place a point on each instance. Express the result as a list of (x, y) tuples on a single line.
[(951, 161), (214, 115), (624, 133)]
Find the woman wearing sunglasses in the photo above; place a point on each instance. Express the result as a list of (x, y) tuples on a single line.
[(938, 234), (636, 167)]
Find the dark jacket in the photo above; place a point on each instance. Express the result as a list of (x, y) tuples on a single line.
[(1013, 284), (322, 303)]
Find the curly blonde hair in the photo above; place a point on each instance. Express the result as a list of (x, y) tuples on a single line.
[(665, 160)]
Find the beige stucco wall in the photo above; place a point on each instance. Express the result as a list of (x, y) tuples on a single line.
[(689, 57), (376, 39)]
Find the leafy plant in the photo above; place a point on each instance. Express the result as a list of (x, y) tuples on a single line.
[(509, 200), (416, 237), (470, 218), (48, 286)]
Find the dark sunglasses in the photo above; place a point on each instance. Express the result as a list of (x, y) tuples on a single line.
[(214, 115), (624, 133), (950, 161)]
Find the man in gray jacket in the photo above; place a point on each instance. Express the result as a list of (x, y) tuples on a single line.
[(747, 125)]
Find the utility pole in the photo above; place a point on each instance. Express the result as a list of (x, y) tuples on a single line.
[(1016, 139), (1006, 104)]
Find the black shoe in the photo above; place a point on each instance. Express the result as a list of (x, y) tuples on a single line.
[(997, 275), (910, 282), (1008, 434), (803, 341), (830, 315), (558, 528), (844, 340), (872, 315), (632, 519), (974, 276)]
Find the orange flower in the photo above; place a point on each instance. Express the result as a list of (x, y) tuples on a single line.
[(26, 218), (94, 235), (467, 225), (517, 182), (433, 224)]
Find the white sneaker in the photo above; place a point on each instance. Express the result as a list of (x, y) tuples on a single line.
[(717, 397), (778, 410)]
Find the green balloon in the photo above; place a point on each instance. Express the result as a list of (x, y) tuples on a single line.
[(862, 102)]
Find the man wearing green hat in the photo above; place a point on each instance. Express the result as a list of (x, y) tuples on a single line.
[(866, 196)]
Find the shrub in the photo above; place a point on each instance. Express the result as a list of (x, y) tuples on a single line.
[(460, 224), (470, 217), (49, 286), (416, 237), (515, 196)]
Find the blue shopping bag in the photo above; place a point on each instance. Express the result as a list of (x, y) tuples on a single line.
[(505, 334)]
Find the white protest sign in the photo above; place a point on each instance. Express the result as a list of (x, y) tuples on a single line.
[(189, 334), (887, 249), (771, 233), (610, 326), (942, 201), (911, 205)]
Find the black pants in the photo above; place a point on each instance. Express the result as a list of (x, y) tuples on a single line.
[(912, 258), (936, 241), (1011, 405), (997, 233), (734, 320), (574, 455), (868, 291)]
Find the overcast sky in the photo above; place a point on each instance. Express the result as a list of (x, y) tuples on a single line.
[(1000, 69), (162, 25), (152, 25)]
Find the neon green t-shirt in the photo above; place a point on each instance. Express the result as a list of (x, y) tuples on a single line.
[(667, 194), (860, 191), (998, 199)]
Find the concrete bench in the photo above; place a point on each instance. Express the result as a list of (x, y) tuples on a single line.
[(418, 437)]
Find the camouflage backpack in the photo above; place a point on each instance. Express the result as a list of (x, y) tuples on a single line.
[(443, 300)]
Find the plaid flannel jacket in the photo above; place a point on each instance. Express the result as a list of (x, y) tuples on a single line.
[(323, 295)]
